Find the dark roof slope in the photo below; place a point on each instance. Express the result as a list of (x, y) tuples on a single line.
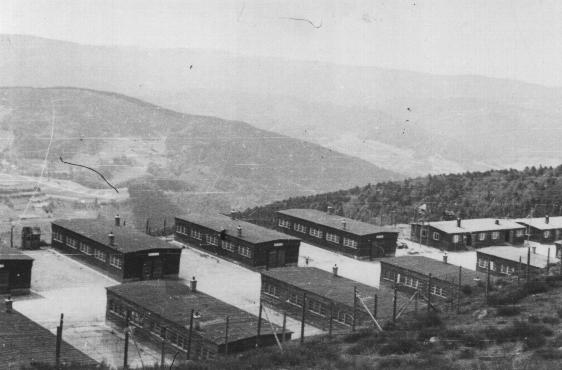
[(22, 342), (250, 232), (126, 238), (335, 222), (438, 269), (173, 301), (336, 288), (13, 254)]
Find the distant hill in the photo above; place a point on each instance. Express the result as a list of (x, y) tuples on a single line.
[(198, 161), (411, 123), (494, 193)]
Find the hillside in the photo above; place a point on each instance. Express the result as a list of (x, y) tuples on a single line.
[(494, 193), (412, 123), (200, 162)]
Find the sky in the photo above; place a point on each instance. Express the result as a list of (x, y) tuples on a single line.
[(513, 39)]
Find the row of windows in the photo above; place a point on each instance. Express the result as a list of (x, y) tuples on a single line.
[(347, 242), (350, 243), (412, 282), (495, 235), (115, 260), (139, 320), (271, 289), (504, 269), (300, 228), (332, 238), (231, 247), (316, 233)]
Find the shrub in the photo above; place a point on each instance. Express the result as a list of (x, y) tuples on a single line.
[(559, 312), (508, 310), (466, 353), (533, 319), (466, 289), (549, 353), (553, 320), (400, 346)]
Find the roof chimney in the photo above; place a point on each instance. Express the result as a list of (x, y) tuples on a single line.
[(8, 302), (458, 222), (335, 270), (239, 228), (117, 220), (546, 219), (330, 210), (111, 238), (497, 222), (193, 284), (445, 257), (343, 223), (197, 320)]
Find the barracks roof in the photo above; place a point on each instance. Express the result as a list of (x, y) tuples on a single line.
[(24, 342), (173, 301), (540, 222), (126, 239), (250, 232), (335, 221), (474, 225), (513, 254), (13, 254)]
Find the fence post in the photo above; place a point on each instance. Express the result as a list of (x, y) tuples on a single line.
[(429, 292), (303, 316), (226, 336), (394, 302), (330, 328), (190, 334), (126, 350), (459, 291), (284, 326), (259, 325), (59, 341), (354, 308)]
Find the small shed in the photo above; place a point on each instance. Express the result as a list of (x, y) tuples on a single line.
[(15, 271), (30, 237)]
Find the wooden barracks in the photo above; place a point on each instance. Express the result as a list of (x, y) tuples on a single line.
[(161, 309), (351, 237), (121, 252), (15, 271), (472, 233), (252, 245)]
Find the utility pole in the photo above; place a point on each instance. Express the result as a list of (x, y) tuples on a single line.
[(548, 261), (459, 291), (59, 341), (284, 326), (163, 354), (519, 271), (303, 316), (429, 292), (375, 308), (12, 236), (190, 334), (259, 325), (330, 325), (528, 263), (225, 335), (126, 350), (394, 299), (488, 280), (354, 308)]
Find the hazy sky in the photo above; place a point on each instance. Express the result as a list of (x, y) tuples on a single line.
[(512, 39)]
